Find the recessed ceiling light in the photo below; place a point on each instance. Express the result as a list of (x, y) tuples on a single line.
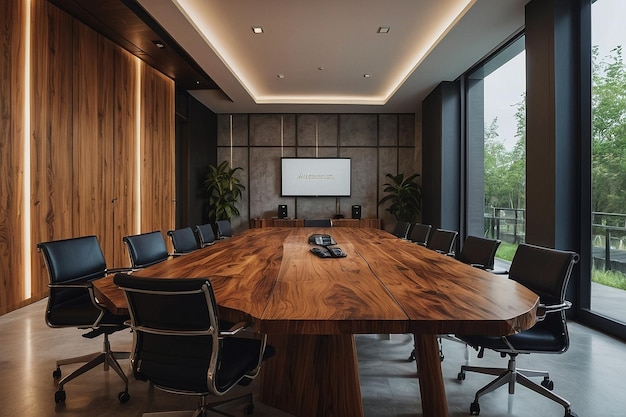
[(281, 76), (257, 30), (159, 44), (383, 29), (367, 75)]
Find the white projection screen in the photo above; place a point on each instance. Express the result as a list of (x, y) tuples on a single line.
[(316, 177)]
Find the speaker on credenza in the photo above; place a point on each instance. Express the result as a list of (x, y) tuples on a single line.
[(282, 211), (356, 212)]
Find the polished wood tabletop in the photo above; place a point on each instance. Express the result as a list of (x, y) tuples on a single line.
[(311, 307)]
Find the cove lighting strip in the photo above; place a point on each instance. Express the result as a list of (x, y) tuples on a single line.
[(26, 195)]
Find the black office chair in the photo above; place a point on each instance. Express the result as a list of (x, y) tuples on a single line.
[(401, 229), (546, 272), (146, 249), (72, 265), (179, 345), (442, 241), (419, 233), (205, 235), (224, 229), (318, 223), (183, 240), (479, 252)]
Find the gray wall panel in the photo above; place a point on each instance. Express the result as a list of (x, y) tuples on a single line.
[(256, 148), (358, 130)]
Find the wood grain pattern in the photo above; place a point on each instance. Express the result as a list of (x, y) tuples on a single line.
[(297, 382), (51, 125), (443, 295), (11, 121), (123, 202), (157, 152), (311, 306), (83, 120)]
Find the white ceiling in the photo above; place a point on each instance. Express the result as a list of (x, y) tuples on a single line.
[(323, 49)]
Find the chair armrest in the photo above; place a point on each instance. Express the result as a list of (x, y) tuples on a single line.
[(234, 329), (118, 270), (85, 285), (543, 310)]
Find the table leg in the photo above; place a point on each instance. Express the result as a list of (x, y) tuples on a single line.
[(313, 375), (432, 390)]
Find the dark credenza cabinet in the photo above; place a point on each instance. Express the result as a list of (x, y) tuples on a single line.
[(276, 222)]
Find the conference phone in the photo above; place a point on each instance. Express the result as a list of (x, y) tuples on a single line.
[(327, 250)]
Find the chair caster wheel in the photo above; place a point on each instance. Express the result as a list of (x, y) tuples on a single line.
[(56, 374), (461, 376), (123, 396), (570, 413), (59, 397), (474, 408), (547, 383)]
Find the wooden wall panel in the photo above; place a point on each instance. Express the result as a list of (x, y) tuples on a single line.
[(83, 124), (11, 120), (124, 187), (51, 126), (93, 125), (157, 151)]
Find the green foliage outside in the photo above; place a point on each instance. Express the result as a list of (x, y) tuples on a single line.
[(609, 278), (505, 170), (506, 251), (609, 132)]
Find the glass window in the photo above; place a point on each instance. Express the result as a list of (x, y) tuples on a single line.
[(608, 167), (496, 165)]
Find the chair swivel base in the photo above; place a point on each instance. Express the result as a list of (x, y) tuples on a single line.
[(511, 376), (205, 407), (107, 357)]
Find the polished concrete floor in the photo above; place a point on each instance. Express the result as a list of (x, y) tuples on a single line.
[(592, 375)]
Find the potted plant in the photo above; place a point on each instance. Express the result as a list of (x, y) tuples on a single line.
[(224, 190), (405, 195)]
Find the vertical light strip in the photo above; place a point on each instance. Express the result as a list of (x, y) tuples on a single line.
[(231, 140), (282, 132), (26, 220), (138, 157), (316, 140)]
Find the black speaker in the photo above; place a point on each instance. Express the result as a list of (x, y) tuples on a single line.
[(356, 212), (282, 211)]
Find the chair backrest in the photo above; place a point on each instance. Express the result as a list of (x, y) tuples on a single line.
[(443, 241), (543, 270), (146, 249), (479, 252), (546, 272), (183, 240), (205, 235), (72, 261), (401, 229), (223, 229), (318, 223), (419, 233), (176, 329)]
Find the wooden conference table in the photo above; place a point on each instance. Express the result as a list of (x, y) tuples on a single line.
[(311, 308)]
